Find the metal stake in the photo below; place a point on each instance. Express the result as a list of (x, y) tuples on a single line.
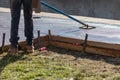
[(38, 39), (85, 43), (49, 36), (3, 42)]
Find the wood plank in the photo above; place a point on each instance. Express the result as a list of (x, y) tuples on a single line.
[(66, 46), (42, 44), (104, 45), (42, 39), (66, 39), (93, 50), (89, 43), (69, 43), (103, 51), (22, 44)]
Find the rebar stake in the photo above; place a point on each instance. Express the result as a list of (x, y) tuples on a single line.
[(85, 43), (49, 36), (3, 42), (38, 39)]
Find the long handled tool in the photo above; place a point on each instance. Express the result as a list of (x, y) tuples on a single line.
[(86, 26)]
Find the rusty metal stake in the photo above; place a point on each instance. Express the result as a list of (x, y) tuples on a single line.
[(38, 39), (85, 43), (3, 42), (49, 36)]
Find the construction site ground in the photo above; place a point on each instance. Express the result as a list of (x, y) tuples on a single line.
[(57, 63)]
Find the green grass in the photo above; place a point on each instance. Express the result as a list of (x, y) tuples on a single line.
[(55, 66), (32, 67)]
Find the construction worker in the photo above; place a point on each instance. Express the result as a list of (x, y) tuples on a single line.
[(15, 6)]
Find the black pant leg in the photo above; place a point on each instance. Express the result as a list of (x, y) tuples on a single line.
[(27, 6), (15, 6)]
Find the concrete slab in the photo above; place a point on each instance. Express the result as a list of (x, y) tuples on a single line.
[(62, 26)]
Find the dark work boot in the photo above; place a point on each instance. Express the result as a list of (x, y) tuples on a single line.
[(13, 51)]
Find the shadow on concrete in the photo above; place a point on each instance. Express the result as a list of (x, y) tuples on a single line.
[(108, 59)]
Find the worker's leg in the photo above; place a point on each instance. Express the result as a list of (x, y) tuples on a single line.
[(15, 6), (27, 5)]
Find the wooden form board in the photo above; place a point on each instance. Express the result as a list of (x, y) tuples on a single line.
[(22, 44), (92, 46), (70, 43)]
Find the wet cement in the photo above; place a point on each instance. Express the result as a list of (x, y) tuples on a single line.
[(103, 32)]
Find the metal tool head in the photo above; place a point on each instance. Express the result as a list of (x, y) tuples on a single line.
[(87, 27), (36, 17)]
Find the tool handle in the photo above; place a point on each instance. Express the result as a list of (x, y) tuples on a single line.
[(61, 12)]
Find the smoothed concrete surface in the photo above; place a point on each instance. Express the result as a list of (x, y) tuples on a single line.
[(59, 25)]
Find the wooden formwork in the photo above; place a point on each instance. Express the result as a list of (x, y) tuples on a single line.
[(22, 45), (94, 47), (91, 47)]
